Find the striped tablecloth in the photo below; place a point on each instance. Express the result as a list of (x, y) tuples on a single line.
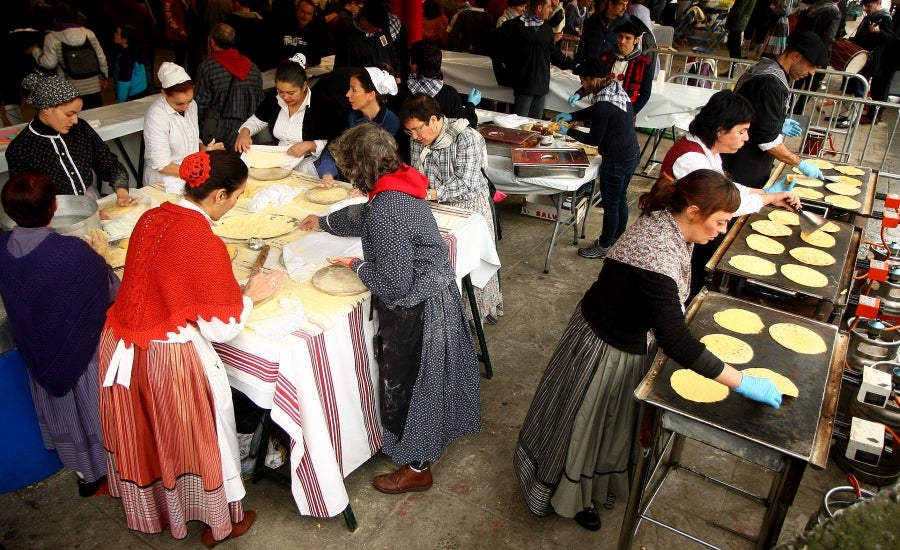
[(320, 382)]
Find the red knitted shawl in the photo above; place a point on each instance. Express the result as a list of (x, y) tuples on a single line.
[(176, 271)]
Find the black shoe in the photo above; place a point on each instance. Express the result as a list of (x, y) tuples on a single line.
[(589, 519), (86, 489)]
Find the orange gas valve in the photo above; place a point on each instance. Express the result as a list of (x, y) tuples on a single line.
[(878, 271), (892, 200), (890, 219), (868, 307)]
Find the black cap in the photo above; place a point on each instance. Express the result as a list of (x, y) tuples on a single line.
[(376, 14), (810, 46), (630, 28), (594, 68)]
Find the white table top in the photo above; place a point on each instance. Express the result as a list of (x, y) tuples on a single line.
[(672, 104)]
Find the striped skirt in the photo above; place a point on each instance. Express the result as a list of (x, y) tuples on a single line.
[(71, 424), (577, 439), (160, 434)]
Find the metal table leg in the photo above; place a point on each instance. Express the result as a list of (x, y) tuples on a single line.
[(558, 200), (349, 518), (484, 356)]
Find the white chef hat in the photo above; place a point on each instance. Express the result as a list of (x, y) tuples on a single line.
[(171, 74), (384, 82)]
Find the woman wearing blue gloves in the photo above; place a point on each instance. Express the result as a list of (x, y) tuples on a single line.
[(575, 446), (612, 132)]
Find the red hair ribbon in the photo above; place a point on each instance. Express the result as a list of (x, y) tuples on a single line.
[(194, 169)]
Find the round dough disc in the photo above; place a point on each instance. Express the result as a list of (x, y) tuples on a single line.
[(818, 238), (264, 226), (821, 163), (771, 229), (808, 182), (850, 170), (739, 320), (849, 181), (807, 193), (843, 201), (338, 281), (269, 174), (782, 382), (812, 256), (327, 195), (784, 217), (830, 227), (803, 275), (843, 189), (753, 265), (797, 338), (728, 348), (694, 387), (766, 245)]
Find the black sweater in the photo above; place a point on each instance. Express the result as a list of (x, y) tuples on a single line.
[(529, 51), (611, 132)]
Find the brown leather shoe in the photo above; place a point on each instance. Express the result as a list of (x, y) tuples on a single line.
[(404, 480), (237, 529)]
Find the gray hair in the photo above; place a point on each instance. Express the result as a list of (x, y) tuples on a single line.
[(364, 153)]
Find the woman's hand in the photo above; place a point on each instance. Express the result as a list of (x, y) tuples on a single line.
[(309, 223), (99, 241), (342, 260), (263, 285), (243, 141), (327, 181), (783, 199), (213, 146), (302, 148), (123, 198)]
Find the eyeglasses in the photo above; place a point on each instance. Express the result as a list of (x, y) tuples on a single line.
[(416, 130)]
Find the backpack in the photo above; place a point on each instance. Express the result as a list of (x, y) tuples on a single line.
[(79, 61)]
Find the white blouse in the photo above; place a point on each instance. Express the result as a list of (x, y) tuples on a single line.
[(288, 130), (169, 136)]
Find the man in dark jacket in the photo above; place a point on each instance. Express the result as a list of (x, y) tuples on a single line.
[(306, 34), (370, 41), (252, 34), (228, 88), (823, 17), (529, 41), (875, 34), (599, 31)]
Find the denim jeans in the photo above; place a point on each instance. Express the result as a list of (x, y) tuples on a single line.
[(531, 106), (615, 174)]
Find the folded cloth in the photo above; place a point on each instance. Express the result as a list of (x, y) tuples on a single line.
[(511, 121), (276, 195)]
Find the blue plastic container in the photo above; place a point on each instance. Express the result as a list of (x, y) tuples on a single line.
[(23, 458)]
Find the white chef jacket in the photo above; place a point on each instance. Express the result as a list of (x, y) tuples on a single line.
[(169, 136)]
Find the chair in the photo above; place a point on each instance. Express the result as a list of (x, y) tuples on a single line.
[(710, 36)]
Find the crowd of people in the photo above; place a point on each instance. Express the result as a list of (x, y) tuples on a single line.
[(385, 120)]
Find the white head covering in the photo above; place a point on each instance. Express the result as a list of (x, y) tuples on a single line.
[(171, 74), (385, 84), (299, 59)]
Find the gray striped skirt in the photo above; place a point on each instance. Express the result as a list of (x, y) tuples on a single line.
[(577, 441)]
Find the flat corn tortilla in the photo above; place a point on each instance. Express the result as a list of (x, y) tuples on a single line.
[(818, 238), (338, 281), (849, 181), (807, 181), (728, 348), (803, 275), (843, 201), (844, 189), (807, 193), (782, 382), (264, 226), (753, 265), (830, 227), (798, 339), (694, 387), (766, 245), (739, 320), (784, 217), (327, 195), (771, 229), (812, 256), (850, 170), (821, 163)]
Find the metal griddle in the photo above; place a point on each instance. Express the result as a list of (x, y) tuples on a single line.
[(509, 136), (866, 197), (802, 426), (735, 243)]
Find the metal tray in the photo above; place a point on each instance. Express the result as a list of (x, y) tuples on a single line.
[(735, 243), (866, 197), (797, 428), (549, 162), (509, 136)]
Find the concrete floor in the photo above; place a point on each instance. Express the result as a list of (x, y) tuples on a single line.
[(475, 502)]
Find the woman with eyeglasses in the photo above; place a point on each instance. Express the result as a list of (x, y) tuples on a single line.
[(454, 157), (290, 116)]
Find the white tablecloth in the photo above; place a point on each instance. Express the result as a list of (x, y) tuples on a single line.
[(321, 385), (672, 104)]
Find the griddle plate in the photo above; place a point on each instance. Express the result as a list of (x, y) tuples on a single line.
[(840, 251), (792, 428), (866, 197)]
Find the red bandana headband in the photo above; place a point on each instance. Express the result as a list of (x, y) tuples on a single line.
[(194, 169)]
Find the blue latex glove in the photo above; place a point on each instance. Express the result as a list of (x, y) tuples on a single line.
[(810, 170), (573, 99), (563, 130), (781, 186), (759, 389), (563, 117), (791, 128), (475, 97)]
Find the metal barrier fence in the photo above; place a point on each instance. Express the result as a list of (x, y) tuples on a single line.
[(829, 115)]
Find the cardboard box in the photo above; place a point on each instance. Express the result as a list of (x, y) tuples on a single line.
[(541, 206)]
